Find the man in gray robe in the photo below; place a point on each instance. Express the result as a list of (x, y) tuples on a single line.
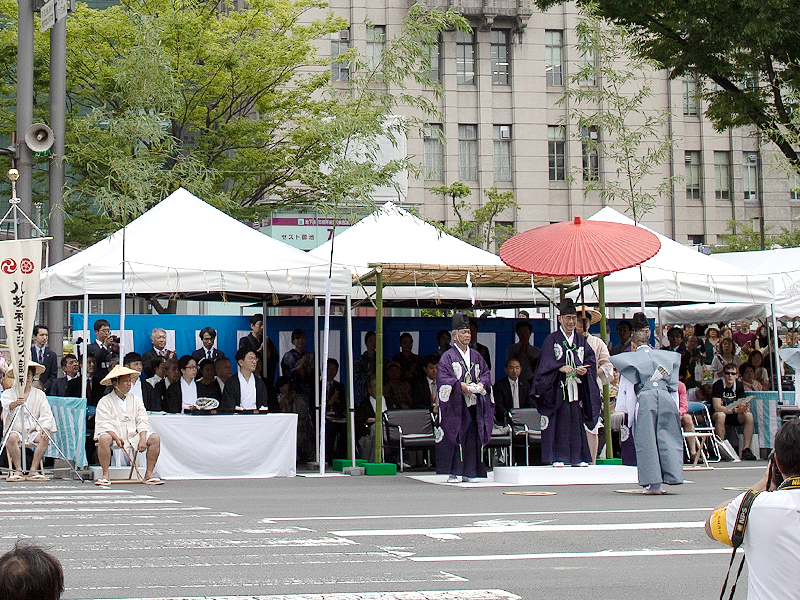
[(648, 394)]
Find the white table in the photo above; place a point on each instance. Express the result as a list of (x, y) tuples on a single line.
[(226, 446)]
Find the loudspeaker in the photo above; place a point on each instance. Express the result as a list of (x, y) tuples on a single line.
[(39, 137)]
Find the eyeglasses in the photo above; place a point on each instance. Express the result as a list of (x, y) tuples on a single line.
[(731, 373)]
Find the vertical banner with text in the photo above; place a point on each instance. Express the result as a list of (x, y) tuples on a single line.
[(20, 261)]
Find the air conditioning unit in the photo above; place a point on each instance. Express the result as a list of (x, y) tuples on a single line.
[(344, 35), (505, 132), (688, 158)]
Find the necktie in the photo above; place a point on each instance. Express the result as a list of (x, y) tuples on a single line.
[(209, 354), (515, 394), (41, 355), (88, 389), (433, 392)]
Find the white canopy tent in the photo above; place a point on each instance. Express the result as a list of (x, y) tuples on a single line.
[(678, 274), (781, 265), (185, 246), (392, 235)]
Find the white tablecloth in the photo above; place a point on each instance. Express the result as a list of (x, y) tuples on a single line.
[(226, 446)]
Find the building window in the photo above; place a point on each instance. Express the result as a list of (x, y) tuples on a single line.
[(588, 68), (376, 40), (554, 56), (500, 66), (697, 240), (468, 152), (692, 160), (722, 175), (794, 187), (340, 45), (689, 98), (591, 153), (750, 175), (502, 152), (433, 160), (465, 57), (434, 54), (555, 153)]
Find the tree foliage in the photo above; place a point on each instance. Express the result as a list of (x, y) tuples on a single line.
[(746, 238), (746, 53), (611, 96)]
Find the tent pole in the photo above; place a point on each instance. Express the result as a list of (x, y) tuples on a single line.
[(122, 304), (351, 429), (316, 418), (378, 364), (85, 349), (323, 367), (776, 359), (601, 297)]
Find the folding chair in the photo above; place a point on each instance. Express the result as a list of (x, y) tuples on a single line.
[(703, 424), (527, 428), (408, 429)]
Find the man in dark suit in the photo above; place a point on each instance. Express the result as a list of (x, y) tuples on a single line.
[(424, 392), (173, 374), (510, 392), (159, 339), (99, 349), (254, 341), (207, 335), (475, 345), (60, 387), (44, 356), (245, 389)]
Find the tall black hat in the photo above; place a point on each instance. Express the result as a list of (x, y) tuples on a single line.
[(460, 321), (567, 307), (639, 321)]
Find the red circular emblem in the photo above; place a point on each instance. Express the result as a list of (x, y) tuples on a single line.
[(8, 266), (26, 266)]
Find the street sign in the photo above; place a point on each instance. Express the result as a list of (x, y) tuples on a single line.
[(61, 9), (48, 14)]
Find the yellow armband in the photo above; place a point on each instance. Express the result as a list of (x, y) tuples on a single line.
[(719, 526)]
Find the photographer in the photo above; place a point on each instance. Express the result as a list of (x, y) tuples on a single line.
[(771, 542)]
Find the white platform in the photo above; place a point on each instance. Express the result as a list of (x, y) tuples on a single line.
[(593, 474)]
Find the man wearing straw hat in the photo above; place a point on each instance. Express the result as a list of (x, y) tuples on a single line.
[(32, 426), (121, 422)]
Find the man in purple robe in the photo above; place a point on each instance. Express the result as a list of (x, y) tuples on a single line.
[(568, 396), (466, 407)]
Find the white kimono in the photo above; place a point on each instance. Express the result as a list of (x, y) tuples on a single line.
[(110, 418), (25, 425)]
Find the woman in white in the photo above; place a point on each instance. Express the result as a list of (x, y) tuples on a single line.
[(33, 425), (121, 422), (183, 394)]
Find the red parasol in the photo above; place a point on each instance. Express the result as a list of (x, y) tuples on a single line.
[(579, 248)]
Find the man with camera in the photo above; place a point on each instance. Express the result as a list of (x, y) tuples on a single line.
[(770, 542)]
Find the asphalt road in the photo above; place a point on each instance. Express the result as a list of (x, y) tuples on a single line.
[(376, 538)]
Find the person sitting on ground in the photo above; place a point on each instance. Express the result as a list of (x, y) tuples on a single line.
[(410, 363), (527, 354), (245, 390), (396, 390), (756, 359), (223, 371), (29, 430), (710, 345), (159, 364), (510, 392), (207, 385), (159, 339), (443, 340), (423, 392), (151, 399), (27, 572), (208, 336), (61, 387), (726, 353), (724, 394), (748, 376), (182, 395), (121, 422)]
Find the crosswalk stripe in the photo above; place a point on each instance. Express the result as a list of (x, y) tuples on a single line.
[(562, 555), (421, 595)]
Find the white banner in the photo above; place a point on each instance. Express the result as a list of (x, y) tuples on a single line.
[(20, 261)]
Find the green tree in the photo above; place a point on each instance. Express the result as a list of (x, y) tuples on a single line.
[(746, 51), (610, 111), (485, 216)]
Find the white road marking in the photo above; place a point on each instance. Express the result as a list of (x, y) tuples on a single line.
[(78, 502), (520, 528), (561, 555), (502, 514), (421, 595)]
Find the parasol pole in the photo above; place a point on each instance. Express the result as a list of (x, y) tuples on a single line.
[(601, 297), (378, 365)]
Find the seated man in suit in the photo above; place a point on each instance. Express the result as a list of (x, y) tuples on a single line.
[(121, 422), (424, 391), (159, 339), (145, 391), (44, 356), (208, 336), (61, 387), (172, 375), (245, 389), (510, 392)]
